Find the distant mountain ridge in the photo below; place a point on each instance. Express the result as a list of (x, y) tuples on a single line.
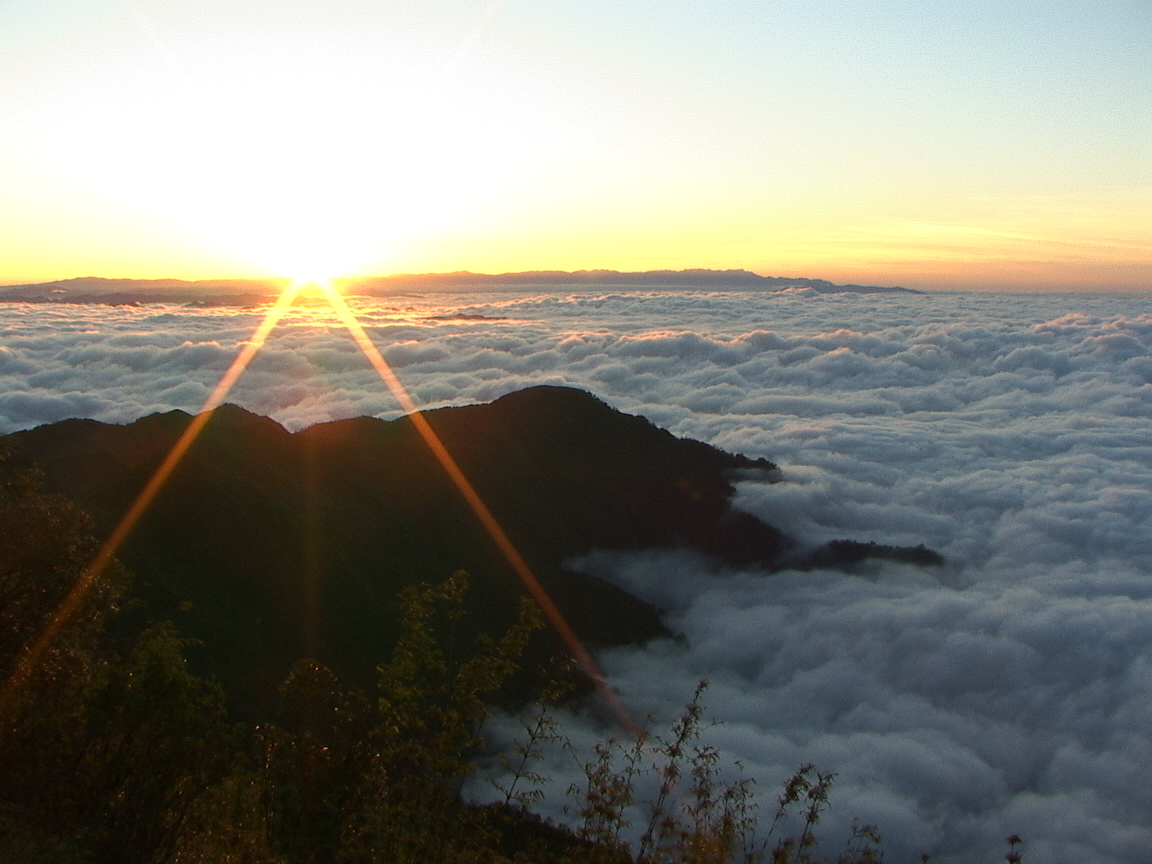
[(115, 292), (693, 278), (232, 292)]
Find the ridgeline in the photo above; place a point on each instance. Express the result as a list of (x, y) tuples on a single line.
[(267, 546)]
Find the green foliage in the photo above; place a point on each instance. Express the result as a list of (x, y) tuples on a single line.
[(117, 769), (348, 778), (46, 544), (1013, 855), (606, 797), (154, 738), (120, 754), (522, 788), (430, 713), (694, 817), (228, 825), (101, 752), (431, 710), (313, 762)]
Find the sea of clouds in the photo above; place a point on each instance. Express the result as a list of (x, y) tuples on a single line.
[(1007, 692)]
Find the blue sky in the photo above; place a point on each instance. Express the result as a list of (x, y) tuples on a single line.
[(940, 145)]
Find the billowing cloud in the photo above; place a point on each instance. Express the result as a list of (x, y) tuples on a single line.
[(1008, 692)]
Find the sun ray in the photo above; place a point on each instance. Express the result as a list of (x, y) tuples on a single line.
[(104, 555), (347, 317), (479, 508)]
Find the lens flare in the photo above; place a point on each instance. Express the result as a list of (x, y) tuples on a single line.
[(479, 508), (32, 656), (27, 663)]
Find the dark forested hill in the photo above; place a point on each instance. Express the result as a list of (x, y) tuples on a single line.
[(266, 546)]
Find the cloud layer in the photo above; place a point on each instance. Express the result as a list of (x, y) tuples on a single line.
[(1010, 692)]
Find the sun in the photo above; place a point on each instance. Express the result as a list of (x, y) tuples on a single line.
[(312, 289), (304, 170), (308, 267), (307, 236)]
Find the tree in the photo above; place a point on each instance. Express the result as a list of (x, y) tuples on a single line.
[(102, 751), (355, 779)]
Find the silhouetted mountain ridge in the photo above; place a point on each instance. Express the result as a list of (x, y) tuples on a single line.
[(267, 545)]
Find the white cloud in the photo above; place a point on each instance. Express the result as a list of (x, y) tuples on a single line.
[(1008, 692)]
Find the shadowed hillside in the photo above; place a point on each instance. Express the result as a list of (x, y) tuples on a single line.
[(267, 546)]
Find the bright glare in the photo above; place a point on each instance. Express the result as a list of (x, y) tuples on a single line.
[(314, 287), (302, 170)]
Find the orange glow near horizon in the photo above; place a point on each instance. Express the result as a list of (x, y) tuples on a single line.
[(208, 139), (68, 606)]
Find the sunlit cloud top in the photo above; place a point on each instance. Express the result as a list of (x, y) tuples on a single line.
[(959, 144)]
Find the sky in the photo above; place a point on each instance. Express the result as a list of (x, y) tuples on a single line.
[(976, 144)]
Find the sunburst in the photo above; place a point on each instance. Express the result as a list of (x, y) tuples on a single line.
[(467, 491)]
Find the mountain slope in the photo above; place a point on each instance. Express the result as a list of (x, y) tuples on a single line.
[(266, 545)]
